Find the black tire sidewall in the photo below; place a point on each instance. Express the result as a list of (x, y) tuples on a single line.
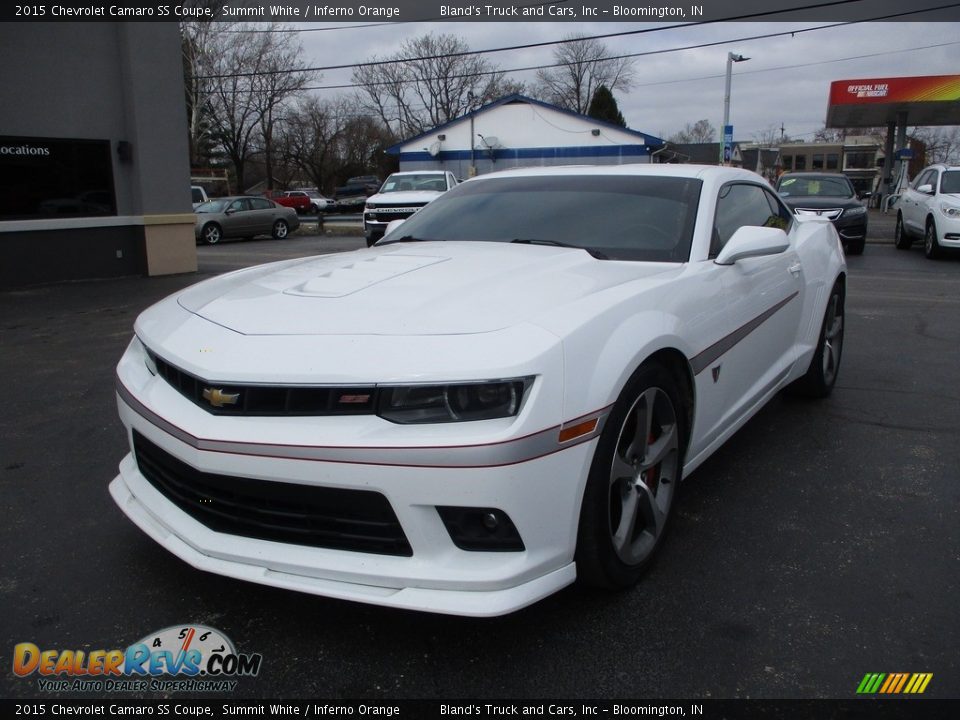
[(597, 562), (276, 225)]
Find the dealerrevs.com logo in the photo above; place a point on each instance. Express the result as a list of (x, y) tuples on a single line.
[(189, 658)]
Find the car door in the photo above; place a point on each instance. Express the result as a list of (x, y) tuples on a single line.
[(763, 296), (236, 219), (913, 203), (262, 214)]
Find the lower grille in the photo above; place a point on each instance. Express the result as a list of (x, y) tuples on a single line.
[(358, 520)]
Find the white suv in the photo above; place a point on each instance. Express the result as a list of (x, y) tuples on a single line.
[(930, 208)]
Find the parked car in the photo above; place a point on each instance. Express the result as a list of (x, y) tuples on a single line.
[(402, 194), (930, 209), (199, 195), (501, 396), (352, 196), (244, 217), (303, 201), (829, 195)]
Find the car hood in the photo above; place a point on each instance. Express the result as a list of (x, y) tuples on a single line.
[(423, 288), (404, 197), (819, 201)]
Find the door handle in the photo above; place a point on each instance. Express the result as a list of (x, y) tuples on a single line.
[(794, 269)]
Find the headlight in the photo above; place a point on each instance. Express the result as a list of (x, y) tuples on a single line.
[(461, 402), (855, 212), (951, 211), (141, 349)]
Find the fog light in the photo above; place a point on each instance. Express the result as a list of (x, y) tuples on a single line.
[(481, 529)]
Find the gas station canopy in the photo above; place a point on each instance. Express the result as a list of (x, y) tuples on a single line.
[(874, 102)]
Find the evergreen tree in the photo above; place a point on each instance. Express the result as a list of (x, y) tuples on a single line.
[(603, 106)]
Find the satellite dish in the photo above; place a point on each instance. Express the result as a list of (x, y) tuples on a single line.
[(491, 142), (434, 149)]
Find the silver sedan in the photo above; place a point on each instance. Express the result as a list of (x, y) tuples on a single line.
[(243, 217)]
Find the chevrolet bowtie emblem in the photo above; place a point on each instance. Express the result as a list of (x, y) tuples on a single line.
[(218, 398)]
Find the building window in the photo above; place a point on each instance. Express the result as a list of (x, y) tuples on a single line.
[(859, 160), (801, 162), (833, 161), (818, 161), (788, 162)]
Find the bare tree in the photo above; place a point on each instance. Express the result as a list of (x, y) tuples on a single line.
[(421, 86), (702, 131), (330, 140), (943, 143), (281, 78), (586, 65), (249, 77), (197, 38)]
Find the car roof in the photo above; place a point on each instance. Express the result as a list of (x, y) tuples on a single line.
[(702, 172)]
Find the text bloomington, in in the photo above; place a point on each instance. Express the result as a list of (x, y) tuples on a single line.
[(554, 11)]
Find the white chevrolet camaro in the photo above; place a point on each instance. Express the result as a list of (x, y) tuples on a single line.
[(497, 399)]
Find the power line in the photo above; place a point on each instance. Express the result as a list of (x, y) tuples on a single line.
[(624, 33)]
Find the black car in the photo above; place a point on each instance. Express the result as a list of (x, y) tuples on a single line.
[(830, 195)]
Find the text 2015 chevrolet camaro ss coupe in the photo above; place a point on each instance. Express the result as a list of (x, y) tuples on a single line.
[(498, 398)]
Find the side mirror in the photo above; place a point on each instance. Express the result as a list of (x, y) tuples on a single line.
[(926, 189), (751, 241)]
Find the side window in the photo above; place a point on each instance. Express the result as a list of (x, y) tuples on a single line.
[(923, 178), (260, 204), (742, 204), (238, 205)]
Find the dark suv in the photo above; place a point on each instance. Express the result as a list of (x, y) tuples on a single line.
[(830, 195)]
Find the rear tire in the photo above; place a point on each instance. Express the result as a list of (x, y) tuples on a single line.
[(633, 481), (900, 237), (280, 229), (821, 376), (931, 245)]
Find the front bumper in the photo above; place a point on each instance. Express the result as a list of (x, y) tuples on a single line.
[(533, 480), (948, 229), (854, 228)]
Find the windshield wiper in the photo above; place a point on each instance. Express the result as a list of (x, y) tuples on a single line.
[(556, 243)]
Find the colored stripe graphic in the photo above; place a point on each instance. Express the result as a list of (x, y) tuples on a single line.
[(894, 683)]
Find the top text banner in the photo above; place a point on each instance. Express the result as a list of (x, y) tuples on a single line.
[(578, 11)]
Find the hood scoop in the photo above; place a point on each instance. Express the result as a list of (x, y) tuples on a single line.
[(358, 274)]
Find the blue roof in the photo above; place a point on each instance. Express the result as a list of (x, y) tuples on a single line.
[(517, 97)]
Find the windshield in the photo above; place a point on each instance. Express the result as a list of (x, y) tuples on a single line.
[(212, 206), (618, 217), (950, 182), (826, 186), (405, 183)]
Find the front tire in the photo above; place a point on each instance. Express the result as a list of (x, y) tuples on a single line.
[(633, 481), (855, 247), (900, 237), (280, 229), (931, 245), (821, 376), (211, 234)]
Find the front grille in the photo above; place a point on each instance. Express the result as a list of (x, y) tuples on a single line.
[(268, 400), (358, 520), (831, 213)]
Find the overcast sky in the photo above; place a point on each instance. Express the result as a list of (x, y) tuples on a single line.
[(786, 81)]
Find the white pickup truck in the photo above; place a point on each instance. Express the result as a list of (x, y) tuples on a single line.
[(400, 196)]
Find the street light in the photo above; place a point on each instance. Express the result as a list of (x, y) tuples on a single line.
[(731, 59)]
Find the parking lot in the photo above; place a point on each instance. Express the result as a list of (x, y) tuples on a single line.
[(819, 544)]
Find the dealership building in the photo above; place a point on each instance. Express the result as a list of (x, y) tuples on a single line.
[(518, 131), (94, 164)]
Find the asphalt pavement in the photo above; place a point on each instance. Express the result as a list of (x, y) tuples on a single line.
[(819, 544)]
